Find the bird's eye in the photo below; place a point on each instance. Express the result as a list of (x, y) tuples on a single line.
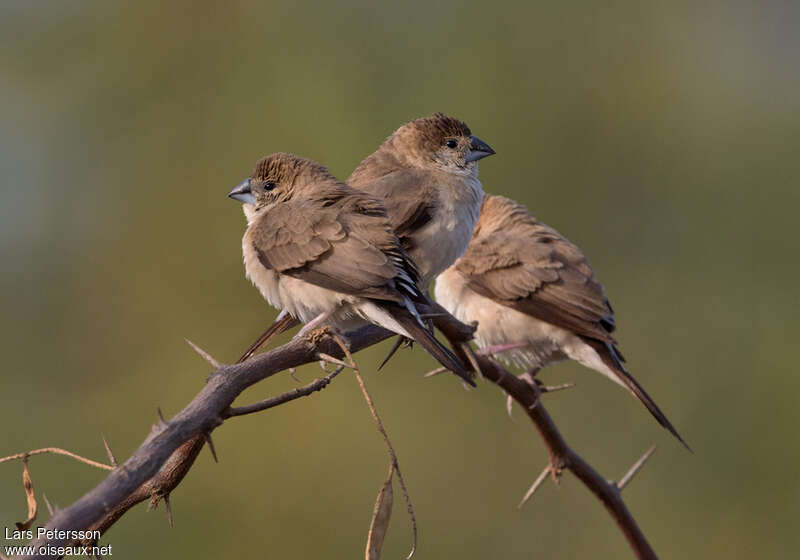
[(451, 143), (269, 185)]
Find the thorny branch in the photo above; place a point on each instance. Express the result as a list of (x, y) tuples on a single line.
[(562, 456), (158, 466)]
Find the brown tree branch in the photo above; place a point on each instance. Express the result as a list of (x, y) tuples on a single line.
[(562, 456), (160, 463), (316, 385), (167, 454)]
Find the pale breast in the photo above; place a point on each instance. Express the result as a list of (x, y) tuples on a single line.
[(267, 281), (445, 238)]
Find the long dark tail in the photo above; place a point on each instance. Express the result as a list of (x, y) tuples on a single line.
[(280, 325), (613, 360), (429, 342)]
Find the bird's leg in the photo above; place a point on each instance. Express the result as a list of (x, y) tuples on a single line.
[(400, 341), (314, 323)]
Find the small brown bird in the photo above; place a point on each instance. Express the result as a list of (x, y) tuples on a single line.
[(426, 174), (535, 298), (325, 253)]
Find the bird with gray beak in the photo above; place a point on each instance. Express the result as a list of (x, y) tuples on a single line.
[(325, 253), (426, 173)]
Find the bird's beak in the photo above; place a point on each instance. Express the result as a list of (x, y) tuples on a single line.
[(241, 192), (478, 149)]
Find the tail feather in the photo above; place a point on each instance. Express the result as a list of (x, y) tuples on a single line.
[(399, 341), (613, 360), (283, 323), (429, 342)]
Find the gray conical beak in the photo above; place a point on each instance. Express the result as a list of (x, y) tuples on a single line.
[(241, 192), (478, 149)]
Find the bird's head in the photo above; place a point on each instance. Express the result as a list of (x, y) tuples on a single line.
[(278, 178), (440, 141)]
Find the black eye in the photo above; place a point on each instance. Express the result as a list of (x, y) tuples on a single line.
[(269, 185), (451, 143)]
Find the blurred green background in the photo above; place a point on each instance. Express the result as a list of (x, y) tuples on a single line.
[(661, 137)]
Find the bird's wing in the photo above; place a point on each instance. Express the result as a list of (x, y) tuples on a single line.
[(334, 247), (536, 271), (409, 196)]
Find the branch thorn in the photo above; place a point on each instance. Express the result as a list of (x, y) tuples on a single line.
[(535, 486), (161, 421), (211, 448), (49, 506), (203, 354), (436, 371), (168, 507), (635, 468), (554, 388), (328, 358), (110, 453)]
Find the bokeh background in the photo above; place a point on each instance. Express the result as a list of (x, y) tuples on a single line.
[(661, 137)]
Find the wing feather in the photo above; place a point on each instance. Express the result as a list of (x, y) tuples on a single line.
[(535, 270), (334, 247)]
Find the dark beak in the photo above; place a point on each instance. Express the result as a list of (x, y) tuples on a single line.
[(478, 149), (241, 192)]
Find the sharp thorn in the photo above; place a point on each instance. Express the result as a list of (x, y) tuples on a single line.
[(203, 354), (535, 486), (168, 506), (509, 405), (436, 371), (328, 358), (398, 342), (211, 448), (49, 506), (635, 468), (554, 388), (110, 453)]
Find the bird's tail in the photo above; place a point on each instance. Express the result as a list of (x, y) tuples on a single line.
[(612, 359), (283, 323), (425, 338)]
